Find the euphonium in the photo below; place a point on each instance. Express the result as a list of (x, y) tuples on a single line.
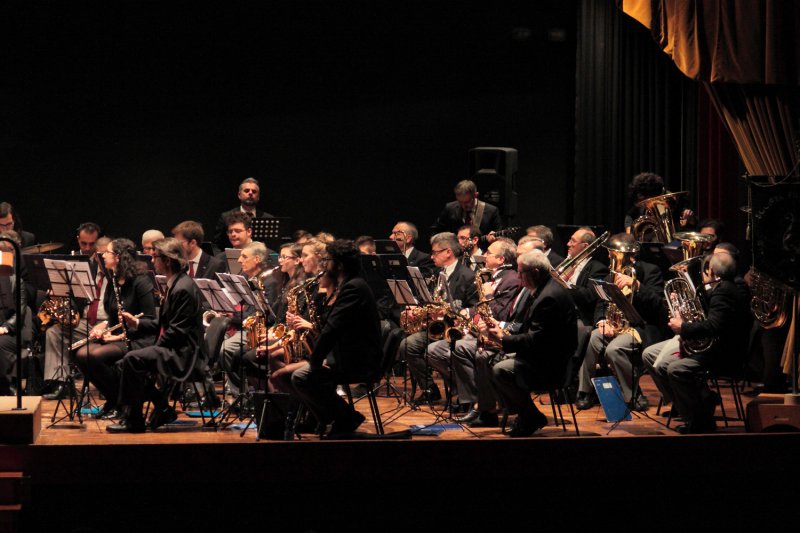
[(656, 224), (622, 260), (683, 301)]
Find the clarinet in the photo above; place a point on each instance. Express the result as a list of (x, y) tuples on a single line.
[(120, 309)]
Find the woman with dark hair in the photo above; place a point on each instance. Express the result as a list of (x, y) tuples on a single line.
[(348, 347), (134, 291)]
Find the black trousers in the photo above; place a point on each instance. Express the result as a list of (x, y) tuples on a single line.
[(8, 358), (139, 372), (97, 362)]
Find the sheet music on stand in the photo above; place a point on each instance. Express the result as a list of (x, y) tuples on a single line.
[(232, 258), (421, 288), (71, 278), (610, 293), (272, 231), (37, 272), (238, 289), (217, 297)]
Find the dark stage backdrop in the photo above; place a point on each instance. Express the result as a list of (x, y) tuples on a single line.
[(351, 115)]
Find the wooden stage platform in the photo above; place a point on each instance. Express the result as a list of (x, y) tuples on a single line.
[(190, 478)]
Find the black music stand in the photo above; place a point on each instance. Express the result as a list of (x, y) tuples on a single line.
[(387, 246), (232, 260), (71, 280), (272, 231), (611, 294), (237, 289)]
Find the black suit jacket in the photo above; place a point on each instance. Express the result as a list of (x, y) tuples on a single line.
[(504, 294), (548, 337), (27, 238), (583, 294), (208, 266), (422, 261), (350, 339), (554, 258), (452, 217), (728, 320), (181, 320), (137, 297), (461, 284), (221, 229)]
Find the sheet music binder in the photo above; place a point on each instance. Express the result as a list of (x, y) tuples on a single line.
[(611, 399)]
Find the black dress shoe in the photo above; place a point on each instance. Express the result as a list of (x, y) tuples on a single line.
[(585, 401), (127, 426), (108, 409), (641, 404), (163, 416), (429, 396), (59, 392), (485, 419), (348, 425), (471, 416), (525, 427)]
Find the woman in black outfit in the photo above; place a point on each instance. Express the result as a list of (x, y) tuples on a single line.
[(97, 359)]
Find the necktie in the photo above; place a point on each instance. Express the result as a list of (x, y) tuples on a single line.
[(92, 315), (191, 269)]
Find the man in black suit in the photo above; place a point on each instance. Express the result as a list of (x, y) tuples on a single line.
[(678, 374), (10, 221), (249, 195), (348, 349), (469, 239), (201, 265), (620, 346), (467, 210), (405, 234), (542, 238), (542, 348), (445, 252), (500, 287), (181, 332), (583, 294)]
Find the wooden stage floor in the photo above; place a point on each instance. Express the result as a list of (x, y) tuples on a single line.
[(187, 478), (590, 422)]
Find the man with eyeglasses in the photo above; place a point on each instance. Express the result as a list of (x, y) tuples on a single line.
[(148, 237), (445, 252), (468, 238), (540, 350), (405, 234), (249, 194)]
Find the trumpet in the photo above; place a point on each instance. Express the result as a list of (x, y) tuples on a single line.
[(110, 329)]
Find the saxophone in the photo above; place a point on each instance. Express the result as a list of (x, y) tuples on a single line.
[(256, 324), (296, 344)]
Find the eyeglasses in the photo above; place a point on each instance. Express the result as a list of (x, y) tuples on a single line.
[(285, 257), (437, 252), (10, 225)]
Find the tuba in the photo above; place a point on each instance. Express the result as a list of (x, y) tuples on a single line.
[(622, 260), (770, 301), (693, 243), (683, 300), (656, 224)]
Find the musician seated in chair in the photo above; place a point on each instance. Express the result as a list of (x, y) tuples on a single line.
[(541, 350), (713, 342), (9, 322), (180, 331), (348, 348), (643, 286)]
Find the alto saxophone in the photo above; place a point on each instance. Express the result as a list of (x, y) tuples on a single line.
[(297, 344)]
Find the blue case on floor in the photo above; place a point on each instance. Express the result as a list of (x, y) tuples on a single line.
[(611, 398)]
